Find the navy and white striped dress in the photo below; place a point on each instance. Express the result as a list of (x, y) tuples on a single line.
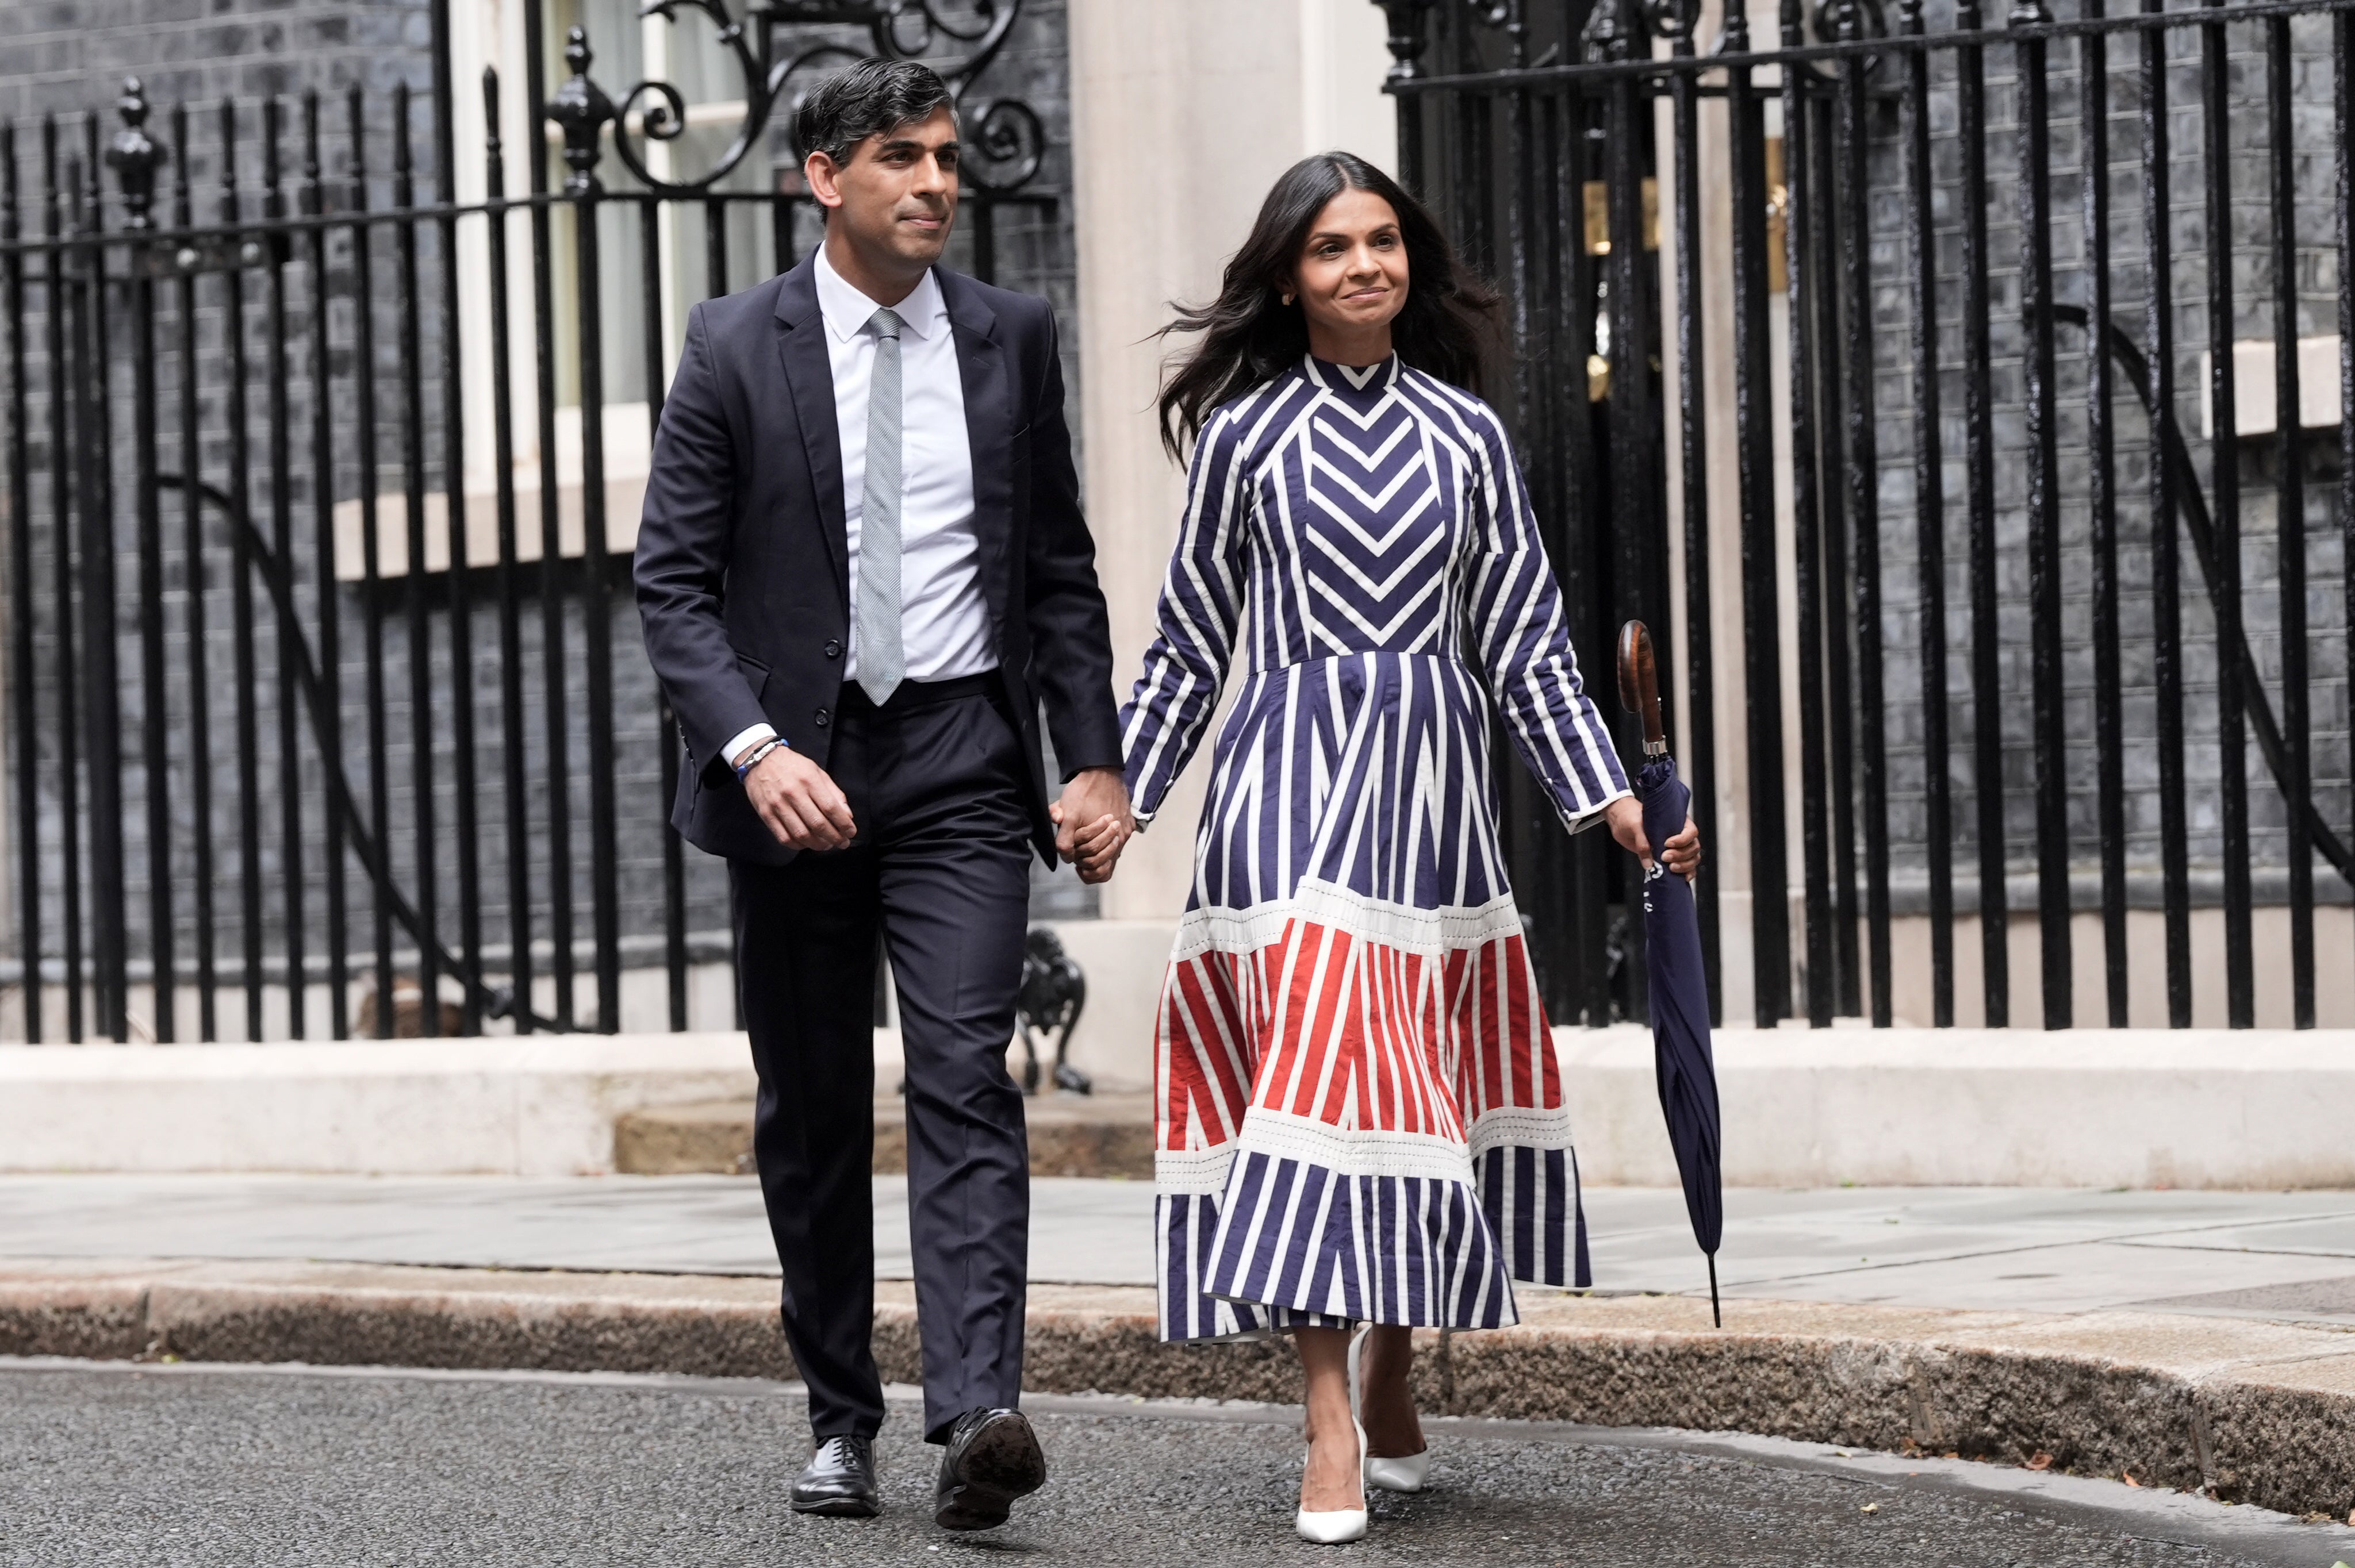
[(1360, 1118)]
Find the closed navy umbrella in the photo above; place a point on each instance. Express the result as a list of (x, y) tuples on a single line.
[(1681, 1048)]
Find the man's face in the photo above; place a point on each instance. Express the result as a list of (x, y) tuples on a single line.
[(896, 198)]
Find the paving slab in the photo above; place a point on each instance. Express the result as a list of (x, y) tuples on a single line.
[(2280, 1255)]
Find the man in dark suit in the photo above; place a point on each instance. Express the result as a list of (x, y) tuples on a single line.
[(862, 571)]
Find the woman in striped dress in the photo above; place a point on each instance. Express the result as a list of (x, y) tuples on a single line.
[(1361, 1120)]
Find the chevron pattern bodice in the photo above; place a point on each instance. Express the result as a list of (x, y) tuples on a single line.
[(1337, 512)]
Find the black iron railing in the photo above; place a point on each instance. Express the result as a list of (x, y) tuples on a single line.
[(310, 714), (1954, 287)]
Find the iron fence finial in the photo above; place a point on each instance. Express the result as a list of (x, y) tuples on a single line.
[(582, 111), (133, 156), (1408, 20), (1606, 35), (1734, 31)]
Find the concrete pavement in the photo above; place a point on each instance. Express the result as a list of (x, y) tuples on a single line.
[(2283, 1255)]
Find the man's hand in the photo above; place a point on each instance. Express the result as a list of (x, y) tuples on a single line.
[(1092, 824), (1682, 852), (801, 805)]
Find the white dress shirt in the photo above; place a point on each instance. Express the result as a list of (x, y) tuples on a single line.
[(944, 619)]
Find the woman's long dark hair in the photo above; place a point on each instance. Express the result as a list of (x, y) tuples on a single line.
[(1250, 335)]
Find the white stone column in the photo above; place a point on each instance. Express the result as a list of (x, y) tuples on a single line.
[(1183, 113)]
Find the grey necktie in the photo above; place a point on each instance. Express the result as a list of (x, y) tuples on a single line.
[(883, 662)]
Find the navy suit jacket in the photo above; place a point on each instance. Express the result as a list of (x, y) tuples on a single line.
[(742, 561)]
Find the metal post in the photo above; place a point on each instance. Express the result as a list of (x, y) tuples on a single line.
[(24, 773), (417, 631), (330, 720), (1699, 692), (102, 689), (512, 739), (1807, 520), (286, 643), (1929, 519), (2043, 522), (133, 156), (2289, 508), (2224, 591), (582, 111), (458, 589), (63, 510), (1862, 463), (2167, 605), (1770, 921), (1979, 438), (2109, 737), (557, 699)]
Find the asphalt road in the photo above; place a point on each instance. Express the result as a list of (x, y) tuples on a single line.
[(165, 1467)]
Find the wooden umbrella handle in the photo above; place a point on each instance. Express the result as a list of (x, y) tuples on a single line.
[(1639, 685)]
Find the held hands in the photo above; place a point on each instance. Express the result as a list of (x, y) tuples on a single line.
[(1092, 824), (1682, 852), (801, 805)]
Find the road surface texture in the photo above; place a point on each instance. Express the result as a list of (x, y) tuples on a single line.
[(107, 1464)]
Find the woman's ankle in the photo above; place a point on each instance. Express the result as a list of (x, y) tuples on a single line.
[(1386, 1396)]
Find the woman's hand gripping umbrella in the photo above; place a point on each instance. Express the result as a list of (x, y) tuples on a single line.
[(1681, 1048)]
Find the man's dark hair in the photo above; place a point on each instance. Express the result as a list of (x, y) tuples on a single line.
[(872, 96)]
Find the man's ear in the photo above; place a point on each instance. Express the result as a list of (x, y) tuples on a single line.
[(821, 172)]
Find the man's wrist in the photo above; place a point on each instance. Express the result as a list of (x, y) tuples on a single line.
[(759, 753), (739, 746)]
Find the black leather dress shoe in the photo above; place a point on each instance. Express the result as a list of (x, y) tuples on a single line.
[(993, 1458), (839, 1480)]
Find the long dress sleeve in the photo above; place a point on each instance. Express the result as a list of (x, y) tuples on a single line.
[(1202, 607), (1523, 641)]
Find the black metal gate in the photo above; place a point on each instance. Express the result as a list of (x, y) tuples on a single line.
[(325, 716), (1958, 471)]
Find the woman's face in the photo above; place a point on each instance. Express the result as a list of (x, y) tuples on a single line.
[(1352, 271)]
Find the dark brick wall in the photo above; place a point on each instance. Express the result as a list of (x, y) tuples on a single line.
[(63, 56)]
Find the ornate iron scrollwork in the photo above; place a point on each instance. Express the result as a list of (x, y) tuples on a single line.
[(1004, 139)]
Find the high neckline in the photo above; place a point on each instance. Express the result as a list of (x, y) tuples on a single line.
[(1359, 383)]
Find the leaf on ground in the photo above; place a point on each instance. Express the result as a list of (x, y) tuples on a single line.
[(2129, 1477), (1869, 1508), (2039, 1460)]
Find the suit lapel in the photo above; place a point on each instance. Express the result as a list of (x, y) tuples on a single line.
[(988, 410), (809, 379)]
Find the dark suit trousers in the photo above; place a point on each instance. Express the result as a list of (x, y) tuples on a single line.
[(941, 867)]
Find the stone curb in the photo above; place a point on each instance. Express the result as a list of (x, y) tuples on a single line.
[(2255, 1411)]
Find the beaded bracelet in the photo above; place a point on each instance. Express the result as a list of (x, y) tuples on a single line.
[(760, 751)]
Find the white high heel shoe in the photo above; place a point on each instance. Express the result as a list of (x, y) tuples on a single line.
[(1406, 1473), (1334, 1526)]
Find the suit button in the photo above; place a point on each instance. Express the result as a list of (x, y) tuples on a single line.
[(833, 648), (824, 718)]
